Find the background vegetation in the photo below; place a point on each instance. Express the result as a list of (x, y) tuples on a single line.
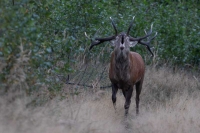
[(40, 39)]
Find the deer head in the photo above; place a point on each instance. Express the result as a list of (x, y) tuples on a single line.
[(123, 41)]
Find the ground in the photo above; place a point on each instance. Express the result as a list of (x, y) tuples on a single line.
[(169, 103)]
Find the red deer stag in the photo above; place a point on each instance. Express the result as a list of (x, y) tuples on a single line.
[(126, 68)]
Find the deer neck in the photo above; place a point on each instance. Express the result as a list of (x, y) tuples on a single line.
[(122, 57), (122, 66)]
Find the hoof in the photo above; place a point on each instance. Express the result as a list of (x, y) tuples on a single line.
[(126, 112), (114, 105), (137, 112)]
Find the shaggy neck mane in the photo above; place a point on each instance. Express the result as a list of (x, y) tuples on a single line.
[(121, 57), (122, 65)]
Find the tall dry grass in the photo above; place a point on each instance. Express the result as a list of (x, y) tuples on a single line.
[(169, 104)]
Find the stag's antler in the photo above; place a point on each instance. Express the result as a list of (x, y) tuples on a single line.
[(139, 39), (101, 40), (147, 44), (129, 28), (113, 24)]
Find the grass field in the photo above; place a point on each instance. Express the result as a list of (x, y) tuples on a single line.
[(170, 103)]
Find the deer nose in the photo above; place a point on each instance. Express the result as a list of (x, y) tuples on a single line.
[(121, 47)]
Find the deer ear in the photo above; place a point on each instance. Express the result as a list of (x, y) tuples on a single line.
[(132, 43), (113, 42)]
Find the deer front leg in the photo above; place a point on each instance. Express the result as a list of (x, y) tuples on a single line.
[(128, 94), (114, 92), (138, 91)]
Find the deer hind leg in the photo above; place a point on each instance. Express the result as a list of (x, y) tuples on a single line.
[(128, 95), (114, 92), (138, 91)]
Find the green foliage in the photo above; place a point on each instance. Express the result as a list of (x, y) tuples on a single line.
[(53, 32)]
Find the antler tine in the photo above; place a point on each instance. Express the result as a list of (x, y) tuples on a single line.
[(151, 27), (150, 32), (141, 38), (154, 36), (113, 24), (145, 31), (131, 24)]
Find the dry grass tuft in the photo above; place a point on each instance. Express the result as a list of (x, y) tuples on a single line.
[(169, 103)]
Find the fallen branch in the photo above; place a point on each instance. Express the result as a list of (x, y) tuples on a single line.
[(90, 86)]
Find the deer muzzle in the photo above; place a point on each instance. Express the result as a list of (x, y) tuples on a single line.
[(122, 46)]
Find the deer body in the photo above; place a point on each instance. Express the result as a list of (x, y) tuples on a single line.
[(126, 68), (127, 72)]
